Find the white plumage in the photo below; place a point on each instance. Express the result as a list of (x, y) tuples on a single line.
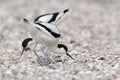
[(41, 35), (44, 31)]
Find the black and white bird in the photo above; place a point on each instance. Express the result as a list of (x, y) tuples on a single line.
[(47, 23), (58, 48), (44, 31)]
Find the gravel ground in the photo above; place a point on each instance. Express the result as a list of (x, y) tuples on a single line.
[(90, 30)]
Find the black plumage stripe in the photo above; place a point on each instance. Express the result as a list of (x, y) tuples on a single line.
[(49, 30), (37, 19), (54, 17)]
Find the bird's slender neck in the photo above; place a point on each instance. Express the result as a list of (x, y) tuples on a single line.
[(55, 49), (59, 48)]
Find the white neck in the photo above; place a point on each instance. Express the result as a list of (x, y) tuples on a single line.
[(55, 49)]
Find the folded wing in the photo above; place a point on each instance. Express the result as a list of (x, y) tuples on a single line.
[(49, 29)]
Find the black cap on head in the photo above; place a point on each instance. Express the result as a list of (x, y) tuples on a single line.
[(66, 49), (24, 45), (25, 42), (63, 46)]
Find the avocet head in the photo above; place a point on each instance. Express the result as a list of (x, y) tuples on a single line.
[(63, 49), (25, 44)]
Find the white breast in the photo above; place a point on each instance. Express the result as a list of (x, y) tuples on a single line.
[(41, 36)]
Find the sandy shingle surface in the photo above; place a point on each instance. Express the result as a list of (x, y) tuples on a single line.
[(91, 30)]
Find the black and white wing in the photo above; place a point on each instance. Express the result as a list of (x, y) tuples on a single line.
[(53, 18), (49, 29)]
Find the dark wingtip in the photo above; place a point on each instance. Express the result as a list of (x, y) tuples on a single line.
[(25, 20), (66, 10)]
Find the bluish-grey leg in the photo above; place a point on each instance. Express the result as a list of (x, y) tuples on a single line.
[(36, 52), (47, 55)]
